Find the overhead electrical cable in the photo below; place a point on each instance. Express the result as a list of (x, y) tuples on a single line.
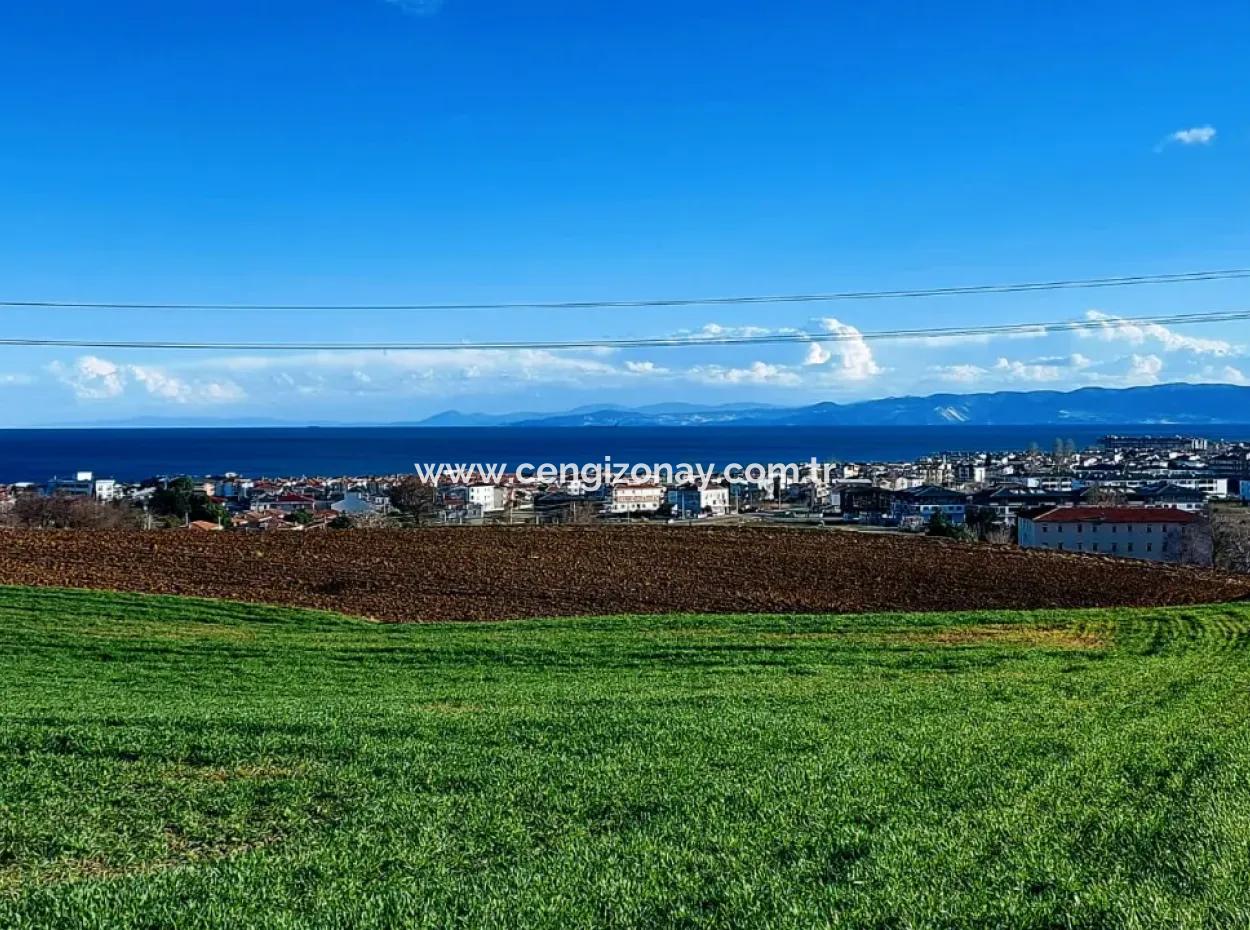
[(678, 341), (1066, 284)]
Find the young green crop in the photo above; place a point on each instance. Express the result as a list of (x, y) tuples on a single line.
[(184, 763)]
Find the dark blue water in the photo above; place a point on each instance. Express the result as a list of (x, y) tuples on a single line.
[(133, 454)]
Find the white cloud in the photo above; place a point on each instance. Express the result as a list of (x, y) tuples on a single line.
[(1112, 329), (93, 378), (1145, 369), (817, 354), (959, 374), (1027, 371), (1195, 135), (15, 380), (756, 373), (1225, 375), (1051, 368), (1026, 332), (159, 384), (720, 331), (849, 356), (421, 372), (645, 368)]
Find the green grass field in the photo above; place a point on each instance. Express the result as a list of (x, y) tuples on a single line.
[(177, 763)]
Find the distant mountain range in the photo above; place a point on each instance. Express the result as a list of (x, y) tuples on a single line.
[(1175, 405), (1163, 404)]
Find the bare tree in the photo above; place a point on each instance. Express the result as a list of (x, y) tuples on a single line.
[(60, 511), (1102, 497), (414, 498), (1230, 537), (1197, 544)]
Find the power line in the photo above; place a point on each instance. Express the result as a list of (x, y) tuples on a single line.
[(1068, 284), (787, 336)]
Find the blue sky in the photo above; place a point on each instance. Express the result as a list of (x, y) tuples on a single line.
[(362, 151)]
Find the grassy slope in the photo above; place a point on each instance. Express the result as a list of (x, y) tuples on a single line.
[(184, 763)]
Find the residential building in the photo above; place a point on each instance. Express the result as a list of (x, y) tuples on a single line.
[(635, 498), (360, 502), (928, 501), (866, 504), (1155, 443), (491, 498), (1166, 494), (833, 498), (1009, 500), (691, 501), (205, 525), (83, 484)]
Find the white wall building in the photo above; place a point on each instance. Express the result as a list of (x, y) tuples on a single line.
[(1154, 534), (635, 498), (691, 501), (1212, 487), (490, 497)]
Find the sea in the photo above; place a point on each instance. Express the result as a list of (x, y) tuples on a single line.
[(136, 454)]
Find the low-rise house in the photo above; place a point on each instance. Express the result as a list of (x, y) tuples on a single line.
[(927, 502), (290, 503), (205, 525), (260, 521), (360, 502), (1166, 494), (1009, 500), (1151, 533)]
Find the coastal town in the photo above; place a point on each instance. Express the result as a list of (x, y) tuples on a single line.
[(1146, 497)]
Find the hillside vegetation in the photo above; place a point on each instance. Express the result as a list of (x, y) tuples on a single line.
[(193, 764)]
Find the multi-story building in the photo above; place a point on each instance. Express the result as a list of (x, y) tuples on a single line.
[(1166, 494), (1154, 534), (692, 501), (635, 498), (926, 502), (490, 497), (83, 484)]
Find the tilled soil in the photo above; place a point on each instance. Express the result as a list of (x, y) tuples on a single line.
[(485, 573)]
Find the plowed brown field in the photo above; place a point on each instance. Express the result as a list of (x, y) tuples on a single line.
[(484, 573)]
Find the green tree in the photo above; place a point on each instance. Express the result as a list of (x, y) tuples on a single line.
[(981, 521), (180, 498), (940, 525)]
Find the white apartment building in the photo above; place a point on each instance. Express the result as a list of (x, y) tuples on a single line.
[(635, 498), (691, 501), (1211, 487), (490, 497)]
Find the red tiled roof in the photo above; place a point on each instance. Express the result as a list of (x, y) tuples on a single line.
[(1115, 515)]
